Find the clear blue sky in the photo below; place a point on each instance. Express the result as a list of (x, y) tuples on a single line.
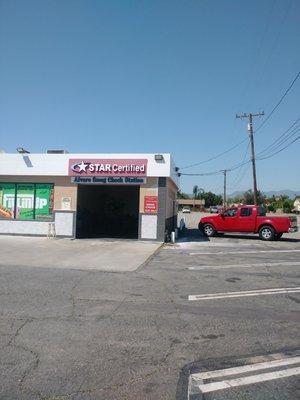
[(152, 76)]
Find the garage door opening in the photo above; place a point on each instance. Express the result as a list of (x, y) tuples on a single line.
[(107, 211)]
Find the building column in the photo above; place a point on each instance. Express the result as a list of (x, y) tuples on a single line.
[(161, 214)]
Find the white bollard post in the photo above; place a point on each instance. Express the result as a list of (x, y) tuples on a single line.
[(173, 237)]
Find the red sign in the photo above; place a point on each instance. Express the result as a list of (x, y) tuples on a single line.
[(107, 167), (150, 204)]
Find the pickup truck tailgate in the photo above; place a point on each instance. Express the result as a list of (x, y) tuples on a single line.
[(294, 222)]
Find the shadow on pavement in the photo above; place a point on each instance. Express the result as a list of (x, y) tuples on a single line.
[(254, 237), (192, 235)]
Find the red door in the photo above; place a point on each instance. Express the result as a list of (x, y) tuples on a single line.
[(228, 220), (246, 220)]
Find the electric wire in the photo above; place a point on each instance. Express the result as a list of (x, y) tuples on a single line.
[(282, 142), (244, 169), (278, 103), (214, 157), (258, 53), (286, 135), (257, 129), (275, 42), (280, 150), (240, 169), (236, 166)]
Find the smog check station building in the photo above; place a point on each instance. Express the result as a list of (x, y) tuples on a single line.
[(88, 195)]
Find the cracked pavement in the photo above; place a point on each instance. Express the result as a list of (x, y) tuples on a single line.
[(75, 334)]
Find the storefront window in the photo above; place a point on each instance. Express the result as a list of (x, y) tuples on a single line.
[(26, 201), (43, 201), (7, 200)]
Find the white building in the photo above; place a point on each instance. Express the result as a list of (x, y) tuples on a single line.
[(88, 195)]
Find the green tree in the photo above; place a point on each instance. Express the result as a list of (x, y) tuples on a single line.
[(212, 199), (287, 205), (235, 200), (248, 197), (182, 195), (195, 193)]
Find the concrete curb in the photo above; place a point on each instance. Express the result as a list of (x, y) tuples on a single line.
[(148, 259)]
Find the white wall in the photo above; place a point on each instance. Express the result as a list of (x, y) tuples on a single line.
[(63, 225), (57, 164), (149, 227)]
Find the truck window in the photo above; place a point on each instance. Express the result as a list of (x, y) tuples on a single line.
[(261, 212), (230, 213), (246, 212)]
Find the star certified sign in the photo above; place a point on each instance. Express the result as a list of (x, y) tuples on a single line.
[(107, 167), (80, 167)]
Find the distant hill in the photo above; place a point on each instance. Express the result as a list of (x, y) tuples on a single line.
[(287, 192)]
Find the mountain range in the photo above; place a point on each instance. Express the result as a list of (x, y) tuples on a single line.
[(285, 192)]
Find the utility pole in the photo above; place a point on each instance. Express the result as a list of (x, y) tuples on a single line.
[(250, 130), (224, 195)]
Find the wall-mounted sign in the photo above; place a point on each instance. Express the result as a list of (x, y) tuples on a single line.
[(150, 204), (107, 167), (109, 180)]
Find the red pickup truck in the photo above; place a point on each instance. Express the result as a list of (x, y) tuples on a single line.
[(250, 219)]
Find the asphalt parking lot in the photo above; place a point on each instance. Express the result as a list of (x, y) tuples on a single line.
[(173, 328)]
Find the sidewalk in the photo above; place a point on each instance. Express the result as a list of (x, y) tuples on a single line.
[(84, 254)]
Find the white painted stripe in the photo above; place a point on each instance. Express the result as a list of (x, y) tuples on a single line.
[(261, 292), (269, 376), (246, 368), (261, 265), (243, 252)]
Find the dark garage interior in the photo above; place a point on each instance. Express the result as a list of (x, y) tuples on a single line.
[(107, 211)]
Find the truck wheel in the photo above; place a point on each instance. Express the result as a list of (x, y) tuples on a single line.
[(267, 233), (209, 230)]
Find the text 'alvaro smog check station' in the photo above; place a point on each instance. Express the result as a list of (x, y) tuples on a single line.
[(88, 195)]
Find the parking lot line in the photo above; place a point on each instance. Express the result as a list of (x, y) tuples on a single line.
[(248, 380), (198, 253), (247, 368), (271, 368), (248, 293), (266, 264)]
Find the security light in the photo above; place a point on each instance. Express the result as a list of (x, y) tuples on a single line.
[(21, 150), (158, 157)]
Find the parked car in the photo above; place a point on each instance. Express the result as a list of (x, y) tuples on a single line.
[(214, 209), (186, 209), (250, 219)]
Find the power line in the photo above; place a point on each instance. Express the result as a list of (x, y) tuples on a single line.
[(236, 183), (214, 157), (286, 135), (201, 174), (257, 55), (259, 127), (279, 151), (240, 169), (279, 102), (242, 163), (277, 37)]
